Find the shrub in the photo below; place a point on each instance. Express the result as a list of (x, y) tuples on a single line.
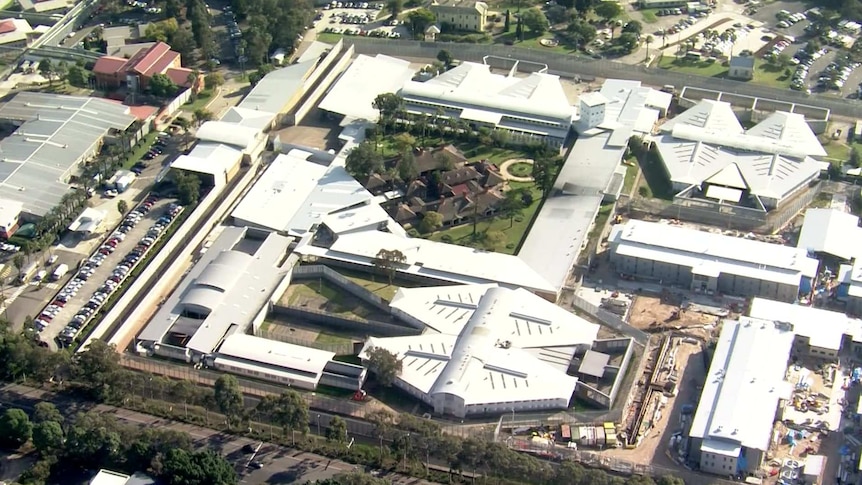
[(510, 246), (413, 233), (446, 238), (519, 218)]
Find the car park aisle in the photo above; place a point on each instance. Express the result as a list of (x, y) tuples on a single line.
[(94, 277)]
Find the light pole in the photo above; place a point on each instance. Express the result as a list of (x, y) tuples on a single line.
[(513, 421), (318, 425)]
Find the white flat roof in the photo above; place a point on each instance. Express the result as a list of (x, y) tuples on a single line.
[(293, 361), (435, 260), (744, 384), (107, 477), (824, 329), (210, 158), (832, 232), (365, 79), (482, 352), (235, 135), (693, 248)]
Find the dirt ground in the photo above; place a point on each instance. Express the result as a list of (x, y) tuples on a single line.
[(653, 447), (314, 132), (653, 313)]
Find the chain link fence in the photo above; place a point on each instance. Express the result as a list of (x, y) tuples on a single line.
[(274, 332)]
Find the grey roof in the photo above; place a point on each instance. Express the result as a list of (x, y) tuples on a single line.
[(57, 133), (227, 283), (274, 91), (746, 62), (562, 225), (594, 363)]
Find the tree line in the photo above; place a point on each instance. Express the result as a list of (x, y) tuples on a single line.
[(403, 442), (272, 24)]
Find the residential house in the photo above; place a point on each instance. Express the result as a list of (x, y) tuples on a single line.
[(16, 33), (136, 72), (465, 15), (741, 67)]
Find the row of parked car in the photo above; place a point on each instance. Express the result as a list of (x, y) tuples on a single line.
[(10, 248), (836, 74), (366, 5), (364, 33)]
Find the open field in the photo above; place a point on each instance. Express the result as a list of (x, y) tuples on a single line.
[(698, 68)]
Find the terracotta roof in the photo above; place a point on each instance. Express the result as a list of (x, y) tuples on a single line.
[(179, 75), (109, 65), (154, 60), (460, 189), (459, 176), (430, 160), (7, 26)]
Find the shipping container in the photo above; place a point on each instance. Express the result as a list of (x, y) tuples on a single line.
[(566, 432)]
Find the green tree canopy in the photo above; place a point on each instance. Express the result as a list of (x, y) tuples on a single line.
[(364, 161), (15, 428), (420, 19), (431, 221), (181, 467), (228, 397), (535, 20), (384, 364), (48, 437), (608, 10), (162, 86), (337, 430)]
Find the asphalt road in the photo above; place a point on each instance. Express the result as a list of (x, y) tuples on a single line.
[(282, 465)]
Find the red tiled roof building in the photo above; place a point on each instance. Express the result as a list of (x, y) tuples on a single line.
[(136, 72)]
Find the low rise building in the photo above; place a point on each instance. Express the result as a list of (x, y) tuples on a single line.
[(830, 232), (741, 67), (710, 263), (17, 33), (850, 286), (488, 350), (744, 391), (136, 72), (461, 15)]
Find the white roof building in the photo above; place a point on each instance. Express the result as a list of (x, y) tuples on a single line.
[(706, 147), (824, 329), (486, 349), (366, 78), (295, 365), (215, 159), (295, 194), (832, 232), (563, 224), (711, 253), (245, 138), (15, 31), (88, 221), (744, 384)]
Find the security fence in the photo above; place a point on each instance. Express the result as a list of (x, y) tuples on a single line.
[(274, 332)]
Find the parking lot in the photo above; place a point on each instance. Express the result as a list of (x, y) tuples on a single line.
[(102, 274), (358, 19)]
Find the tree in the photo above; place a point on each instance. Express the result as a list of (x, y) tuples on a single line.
[(557, 14), (535, 20), (431, 221), (493, 239), (202, 115), (519, 31), (649, 40), (508, 22), (161, 86), (76, 76), (513, 205), (364, 161), (608, 10), (46, 69), (213, 80), (122, 207), (445, 57), (856, 156), (627, 41), (388, 262), (388, 104), (669, 480), (96, 368), (404, 142), (181, 467), (581, 32), (634, 27), (408, 169), (18, 262), (420, 19), (543, 175), (337, 430), (395, 7), (188, 187), (228, 397), (48, 437), (384, 364), (290, 411), (15, 428), (46, 411)]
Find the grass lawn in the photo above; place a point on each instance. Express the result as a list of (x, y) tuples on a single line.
[(698, 68), (769, 75), (140, 150), (836, 150), (656, 183), (203, 99), (534, 42), (335, 300), (520, 169), (631, 176), (648, 15), (328, 37), (378, 285), (823, 200), (514, 230), (332, 339)]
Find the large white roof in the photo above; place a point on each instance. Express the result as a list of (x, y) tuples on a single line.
[(294, 361), (715, 252), (707, 143), (745, 381), (832, 232), (243, 137), (365, 79), (210, 158), (295, 193), (474, 88), (435, 260), (493, 344), (824, 329)]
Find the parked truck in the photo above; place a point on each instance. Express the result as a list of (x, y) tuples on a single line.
[(60, 271)]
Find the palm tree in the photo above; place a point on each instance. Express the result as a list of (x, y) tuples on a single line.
[(649, 40)]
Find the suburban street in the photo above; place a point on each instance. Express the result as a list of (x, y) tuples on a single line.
[(282, 465)]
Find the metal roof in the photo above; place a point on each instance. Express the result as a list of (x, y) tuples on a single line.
[(693, 248), (292, 361), (824, 329), (272, 93), (482, 351), (229, 283), (832, 232), (366, 78), (232, 134), (56, 133), (744, 384)]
